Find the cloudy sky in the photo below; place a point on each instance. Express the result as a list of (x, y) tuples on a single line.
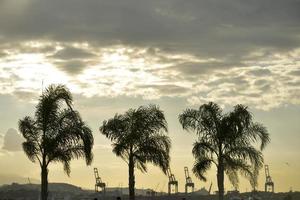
[(115, 55)]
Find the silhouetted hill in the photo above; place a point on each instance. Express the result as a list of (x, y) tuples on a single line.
[(12, 178), (62, 190), (53, 187)]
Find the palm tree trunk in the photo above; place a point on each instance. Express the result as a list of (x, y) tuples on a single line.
[(44, 183), (131, 178), (220, 179)]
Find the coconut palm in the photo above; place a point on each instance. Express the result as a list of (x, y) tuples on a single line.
[(138, 138), (227, 141), (56, 133)]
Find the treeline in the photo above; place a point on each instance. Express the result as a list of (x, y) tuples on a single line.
[(57, 133)]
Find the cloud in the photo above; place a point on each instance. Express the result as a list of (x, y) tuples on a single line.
[(72, 67), (12, 140), (228, 52), (295, 73), (260, 72), (2, 54), (163, 90), (72, 53), (1, 138), (264, 82), (199, 68), (25, 95), (203, 27)]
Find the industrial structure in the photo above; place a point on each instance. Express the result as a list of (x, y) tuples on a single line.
[(172, 182), (99, 183), (188, 181), (269, 185)]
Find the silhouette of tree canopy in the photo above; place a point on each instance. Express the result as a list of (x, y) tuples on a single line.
[(56, 133), (138, 137), (227, 141)]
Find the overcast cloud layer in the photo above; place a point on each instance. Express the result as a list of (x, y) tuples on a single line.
[(225, 51)]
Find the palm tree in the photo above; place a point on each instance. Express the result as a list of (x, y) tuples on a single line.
[(227, 141), (138, 137), (56, 133)]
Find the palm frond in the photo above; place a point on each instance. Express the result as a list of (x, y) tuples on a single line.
[(254, 176), (140, 133), (121, 150), (31, 150), (67, 167), (259, 132), (205, 121), (28, 129), (141, 165), (234, 165), (247, 153), (115, 127), (203, 148), (233, 177), (49, 105), (189, 119), (201, 166), (156, 150)]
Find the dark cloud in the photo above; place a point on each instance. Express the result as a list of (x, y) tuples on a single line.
[(238, 82), (209, 49), (72, 59), (253, 95), (167, 89), (72, 66), (260, 72), (202, 27), (12, 140), (265, 88), (72, 53), (2, 54), (260, 82), (200, 68), (294, 83), (295, 73)]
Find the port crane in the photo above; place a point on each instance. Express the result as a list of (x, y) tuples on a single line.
[(269, 185), (172, 182), (188, 181), (99, 183)]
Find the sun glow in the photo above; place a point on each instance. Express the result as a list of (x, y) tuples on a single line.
[(29, 71), (146, 72)]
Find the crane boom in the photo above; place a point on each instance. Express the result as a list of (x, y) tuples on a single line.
[(172, 181), (99, 183), (269, 185), (188, 180)]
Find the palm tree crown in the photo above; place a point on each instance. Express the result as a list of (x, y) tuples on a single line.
[(225, 140), (138, 137), (56, 133)]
